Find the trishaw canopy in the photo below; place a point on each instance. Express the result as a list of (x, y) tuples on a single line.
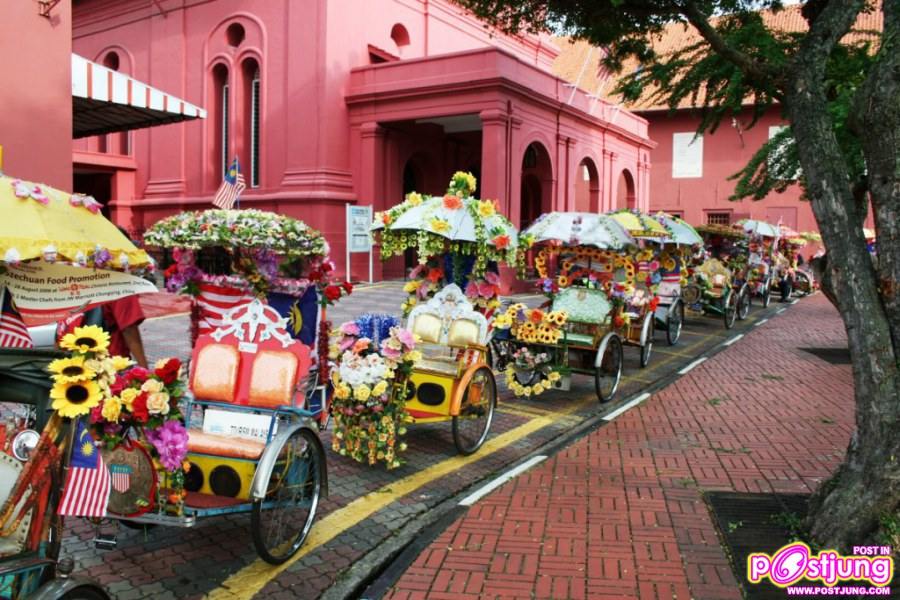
[(579, 229), (680, 231)]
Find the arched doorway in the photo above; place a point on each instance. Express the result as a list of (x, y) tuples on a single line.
[(537, 182), (625, 195), (412, 182), (587, 187)]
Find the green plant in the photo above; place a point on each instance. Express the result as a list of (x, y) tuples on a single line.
[(734, 526)]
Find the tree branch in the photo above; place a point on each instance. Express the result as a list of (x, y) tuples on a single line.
[(827, 28), (760, 73)]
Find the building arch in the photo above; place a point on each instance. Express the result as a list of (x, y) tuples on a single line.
[(587, 186), (400, 35), (626, 194), (126, 59), (536, 196)]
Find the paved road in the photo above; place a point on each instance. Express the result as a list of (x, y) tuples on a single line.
[(367, 507)]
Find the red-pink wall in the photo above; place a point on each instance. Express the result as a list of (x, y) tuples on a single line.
[(724, 153), (36, 95)]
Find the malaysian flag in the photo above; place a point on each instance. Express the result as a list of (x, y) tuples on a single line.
[(232, 186), (86, 492), (13, 332)]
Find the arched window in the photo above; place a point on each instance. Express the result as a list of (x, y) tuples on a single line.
[(400, 35), (251, 120), (221, 119)]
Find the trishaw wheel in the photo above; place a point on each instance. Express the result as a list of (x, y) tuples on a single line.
[(281, 521), (471, 426), (767, 297), (647, 346), (674, 321), (731, 310), (744, 303), (609, 368), (85, 593)]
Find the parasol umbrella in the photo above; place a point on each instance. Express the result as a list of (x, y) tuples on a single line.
[(44, 222), (640, 225), (760, 228), (787, 232), (580, 229), (454, 218), (680, 231)]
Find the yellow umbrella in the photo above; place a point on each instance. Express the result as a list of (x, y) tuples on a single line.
[(639, 224), (43, 222)]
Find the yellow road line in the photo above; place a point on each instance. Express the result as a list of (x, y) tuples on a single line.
[(557, 417), (251, 579)]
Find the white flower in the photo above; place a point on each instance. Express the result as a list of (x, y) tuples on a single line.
[(12, 256)]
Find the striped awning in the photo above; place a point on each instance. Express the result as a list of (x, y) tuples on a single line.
[(106, 101)]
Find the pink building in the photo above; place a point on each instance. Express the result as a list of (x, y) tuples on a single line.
[(336, 102)]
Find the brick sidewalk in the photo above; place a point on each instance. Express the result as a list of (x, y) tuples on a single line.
[(619, 513)]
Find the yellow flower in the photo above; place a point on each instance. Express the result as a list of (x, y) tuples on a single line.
[(413, 356), (439, 225), (74, 399), (414, 198), (380, 388), (342, 392), (485, 208), (152, 385), (112, 408), (411, 286), (128, 395), (86, 339), (158, 403), (362, 392), (70, 369), (553, 376)]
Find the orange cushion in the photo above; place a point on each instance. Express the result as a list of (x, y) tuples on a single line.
[(216, 372), (224, 445), (272, 379)]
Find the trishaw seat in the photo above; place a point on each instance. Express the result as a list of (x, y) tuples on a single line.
[(224, 445), (583, 305), (579, 339), (447, 321)]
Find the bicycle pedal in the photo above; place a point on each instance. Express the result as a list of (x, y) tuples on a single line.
[(105, 541)]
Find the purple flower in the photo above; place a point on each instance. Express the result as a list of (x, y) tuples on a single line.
[(102, 257), (406, 337), (171, 442)]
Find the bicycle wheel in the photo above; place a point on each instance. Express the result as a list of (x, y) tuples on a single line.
[(674, 321), (476, 412), (281, 521), (608, 371), (731, 310)]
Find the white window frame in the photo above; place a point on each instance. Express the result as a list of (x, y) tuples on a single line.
[(687, 155)]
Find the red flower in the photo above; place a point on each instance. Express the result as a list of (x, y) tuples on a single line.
[(171, 270), (452, 202), (139, 408), (168, 373), (435, 275), (618, 321), (137, 374), (118, 385), (654, 302), (327, 266), (501, 242), (348, 287), (315, 275), (332, 292), (536, 316), (97, 413)]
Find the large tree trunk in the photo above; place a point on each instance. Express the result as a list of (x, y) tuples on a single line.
[(846, 509)]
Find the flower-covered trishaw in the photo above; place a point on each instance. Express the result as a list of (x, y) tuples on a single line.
[(453, 295), (589, 314), (712, 286), (253, 378), (761, 268), (672, 258), (47, 454)]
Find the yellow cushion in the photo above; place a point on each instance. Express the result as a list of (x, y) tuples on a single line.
[(463, 332), (272, 379), (427, 327), (215, 373)]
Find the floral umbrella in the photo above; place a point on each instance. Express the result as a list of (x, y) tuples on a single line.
[(640, 225), (680, 231), (432, 223), (579, 229), (787, 232), (44, 222), (760, 228)]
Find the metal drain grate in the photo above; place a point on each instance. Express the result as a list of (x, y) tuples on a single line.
[(834, 356)]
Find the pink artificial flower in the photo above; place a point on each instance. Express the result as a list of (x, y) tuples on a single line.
[(390, 353), (422, 292), (472, 290), (486, 290), (492, 278), (170, 442), (417, 271), (346, 342), (349, 328), (406, 338)]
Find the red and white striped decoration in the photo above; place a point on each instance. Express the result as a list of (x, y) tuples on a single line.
[(13, 331), (88, 483), (215, 301)]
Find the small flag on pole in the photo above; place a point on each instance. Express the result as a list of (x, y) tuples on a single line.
[(13, 331), (86, 493), (232, 186)]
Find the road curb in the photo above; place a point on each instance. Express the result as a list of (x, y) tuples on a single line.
[(376, 572)]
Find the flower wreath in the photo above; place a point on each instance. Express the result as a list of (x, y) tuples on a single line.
[(534, 363)]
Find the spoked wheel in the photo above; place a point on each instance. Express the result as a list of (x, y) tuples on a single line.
[(647, 346), (282, 520), (674, 321), (476, 411), (744, 303), (731, 309), (608, 368), (767, 296)]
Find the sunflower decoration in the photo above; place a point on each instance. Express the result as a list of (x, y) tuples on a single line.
[(75, 398), (562, 281), (70, 370), (86, 339)]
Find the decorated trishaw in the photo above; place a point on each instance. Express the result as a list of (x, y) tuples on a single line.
[(441, 356), (586, 270), (761, 270), (58, 255), (673, 254), (714, 287)]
